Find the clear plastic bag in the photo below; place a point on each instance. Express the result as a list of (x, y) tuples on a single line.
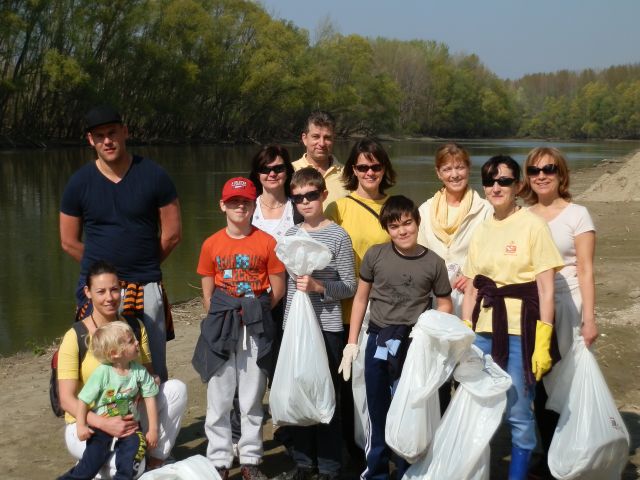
[(438, 342), (591, 440), (195, 467), (302, 391), (360, 408), (460, 447)]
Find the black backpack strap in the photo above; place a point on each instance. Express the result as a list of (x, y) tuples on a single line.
[(82, 334), (134, 323), (371, 210)]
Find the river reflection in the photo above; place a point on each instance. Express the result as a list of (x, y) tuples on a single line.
[(37, 279)]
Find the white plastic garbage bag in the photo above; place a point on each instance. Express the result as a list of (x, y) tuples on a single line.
[(360, 408), (438, 342), (302, 391), (460, 447), (195, 467), (591, 440)]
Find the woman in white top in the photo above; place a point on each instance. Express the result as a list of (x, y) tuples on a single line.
[(271, 172), (451, 215), (546, 189)]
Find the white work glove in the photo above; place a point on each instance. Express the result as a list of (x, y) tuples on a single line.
[(349, 354)]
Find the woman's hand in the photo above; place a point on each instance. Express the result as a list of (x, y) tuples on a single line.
[(460, 283), (116, 426), (306, 283), (589, 332)]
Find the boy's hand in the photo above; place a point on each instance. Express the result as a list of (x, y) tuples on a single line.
[(152, 438), (349, 354), (306, 283), (83, 431)]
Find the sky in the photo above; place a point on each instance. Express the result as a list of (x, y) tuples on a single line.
[(511, 37)]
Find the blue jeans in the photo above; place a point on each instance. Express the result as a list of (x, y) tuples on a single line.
[(129, 450), (520, 396), (380, 386)]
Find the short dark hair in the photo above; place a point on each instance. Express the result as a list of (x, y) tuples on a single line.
[(490, 167), (320, 119), (99, 267), (395, 207), (373, 150), (266, 155), (308, 176)]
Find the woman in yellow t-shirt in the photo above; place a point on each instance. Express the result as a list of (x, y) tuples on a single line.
[(512, 260), (103, 290), (367, 175)]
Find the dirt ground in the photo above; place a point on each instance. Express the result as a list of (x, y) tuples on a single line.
[(32, 442)]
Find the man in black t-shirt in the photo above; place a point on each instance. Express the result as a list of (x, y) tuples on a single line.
[(124, 209)]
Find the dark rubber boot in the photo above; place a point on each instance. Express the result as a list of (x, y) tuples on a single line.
[(519, 465)]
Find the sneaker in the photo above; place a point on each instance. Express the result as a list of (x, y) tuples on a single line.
[(251, 472), (298, 473), (223, 472)]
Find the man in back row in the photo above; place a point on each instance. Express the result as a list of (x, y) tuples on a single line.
[(127, 208), (318, 138)]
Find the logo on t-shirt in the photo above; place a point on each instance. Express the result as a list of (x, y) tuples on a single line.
[(511, 249)]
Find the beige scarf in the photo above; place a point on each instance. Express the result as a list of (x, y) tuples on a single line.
[(442, 229)]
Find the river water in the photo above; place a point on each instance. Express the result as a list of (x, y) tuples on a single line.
[(37, 278)]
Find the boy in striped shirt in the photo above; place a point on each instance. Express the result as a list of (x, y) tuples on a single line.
[(320, 446)]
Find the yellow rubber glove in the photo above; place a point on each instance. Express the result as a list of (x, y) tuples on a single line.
[(349, 354), (468, 323), (541, 358)]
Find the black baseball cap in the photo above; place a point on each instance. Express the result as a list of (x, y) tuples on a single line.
[(101, 115)]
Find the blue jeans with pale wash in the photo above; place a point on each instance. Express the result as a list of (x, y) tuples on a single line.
[(519, 412)]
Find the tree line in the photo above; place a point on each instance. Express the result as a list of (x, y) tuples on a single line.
[(226, 70)]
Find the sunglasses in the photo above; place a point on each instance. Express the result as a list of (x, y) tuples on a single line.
[(548, 169), (277, 169), (310, 196), (362, 168), (502, 181)]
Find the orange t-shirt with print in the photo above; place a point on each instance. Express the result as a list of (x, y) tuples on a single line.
[(240, 266)]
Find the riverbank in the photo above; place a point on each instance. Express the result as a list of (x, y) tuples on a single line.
[(32, 442)]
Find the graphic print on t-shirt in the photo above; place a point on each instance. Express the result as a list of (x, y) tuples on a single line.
[(240, 273), (118, 401)]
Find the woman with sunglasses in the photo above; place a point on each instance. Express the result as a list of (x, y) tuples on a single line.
[(546, 189), (512, 260), (271, 172), (367, 175)]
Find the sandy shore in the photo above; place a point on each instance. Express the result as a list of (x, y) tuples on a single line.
[(32, 443)]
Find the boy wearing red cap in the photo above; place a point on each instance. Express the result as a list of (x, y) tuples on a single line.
[(242, 279)]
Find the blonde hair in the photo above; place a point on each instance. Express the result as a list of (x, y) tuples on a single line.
[(527, 193), (110, 340)]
